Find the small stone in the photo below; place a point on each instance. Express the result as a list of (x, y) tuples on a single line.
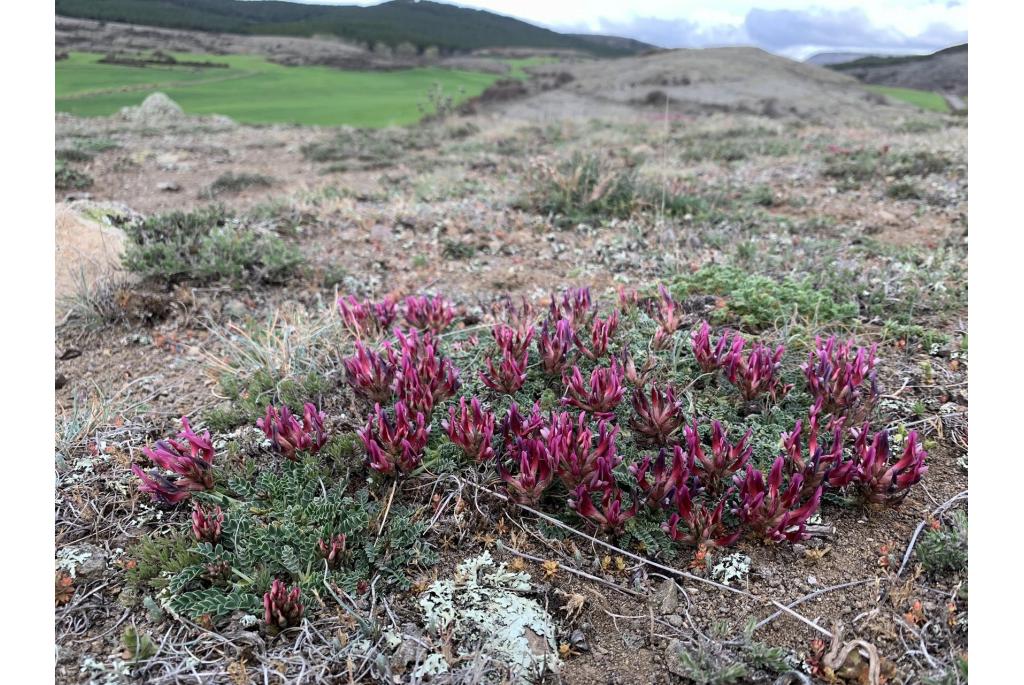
[(60, 381), (800, 549), (675, 620), (236, 309), (95, 562), (667, 597), (168, 187)]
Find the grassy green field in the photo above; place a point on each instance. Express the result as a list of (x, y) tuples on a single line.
[(925, 99), (253, 90)]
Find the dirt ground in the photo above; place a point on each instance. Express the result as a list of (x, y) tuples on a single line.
[(448, 217)]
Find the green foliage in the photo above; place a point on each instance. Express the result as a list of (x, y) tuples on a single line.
[(757, 302), (421, 24), (72, 154), (157, 557), (273, 520), (353, 149), (138, 646), (587, 188), (66, 178), (945, 550), (231, 183), (204, 246), (903, 190), (735, 144)]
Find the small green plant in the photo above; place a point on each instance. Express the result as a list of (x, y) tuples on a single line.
[(66, 178), (944, 549), (153, 559), (138, 646), (231, 183), (758, 302), (204, 246), (903, 190), (274, 521), (588, 188)]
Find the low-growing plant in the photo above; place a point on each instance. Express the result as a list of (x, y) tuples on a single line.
[(231, 183), (189, 458), (758, 302), (943, 546), (206, 245), (67, 178), (288, 436)]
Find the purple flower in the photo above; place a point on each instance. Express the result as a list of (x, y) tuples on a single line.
[(773, 512), (757, 373), (610, 515), (657, 414), (575, 456), (394, 446), (366, 319), (601, 331), (843, 378), (161, 488), (707, 358), (424, 377), (603, 394), (878, 481), (288, 436), (372, 374), (574, 307), (699, 524), (282, 608), (472, 430), (190, 458), (206, 525), (725, 459), (553, 346), (332, 550), (534, 470), (515, 425), (429, 314), (665, 480)]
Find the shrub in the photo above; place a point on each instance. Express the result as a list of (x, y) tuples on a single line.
[(66, 178), (758, 302), (231, 183), (943, 548), (204, 246)]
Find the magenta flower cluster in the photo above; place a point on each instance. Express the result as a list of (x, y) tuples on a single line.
[(433, 314), (394, 444), (366, 319), (282, 608), (189, 458), (288, 436), (843, 378)]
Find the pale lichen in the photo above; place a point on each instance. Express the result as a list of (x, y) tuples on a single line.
[(484, 610)]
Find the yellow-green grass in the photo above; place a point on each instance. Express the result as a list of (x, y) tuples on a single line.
[(925, 99), (253, 90)]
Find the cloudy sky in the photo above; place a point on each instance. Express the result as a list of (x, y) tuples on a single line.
[(795, 28)]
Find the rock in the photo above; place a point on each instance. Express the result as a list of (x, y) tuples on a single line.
[(578, 640), (94, 563), (155, 109), (235, 309), (675, 620), (61, 381), (667, 598), (168, 187), (673, 660)]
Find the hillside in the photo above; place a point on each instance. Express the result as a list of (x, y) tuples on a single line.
[(703, 81), (449, 28), (944, 71)]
